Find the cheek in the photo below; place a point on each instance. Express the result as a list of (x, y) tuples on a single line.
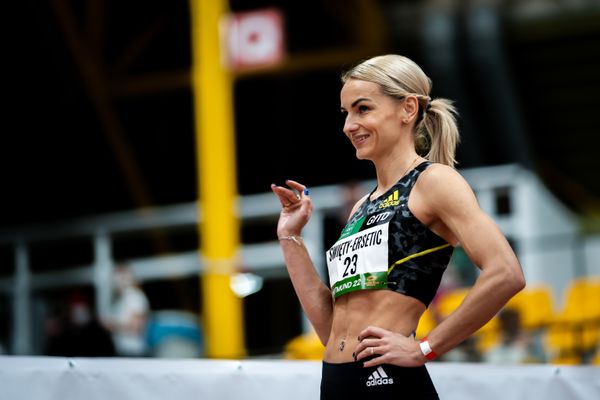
[(389, 126)]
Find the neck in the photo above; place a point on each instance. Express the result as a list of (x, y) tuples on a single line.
[(391, 169)]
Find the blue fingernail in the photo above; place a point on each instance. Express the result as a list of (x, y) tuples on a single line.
[(306, 191)]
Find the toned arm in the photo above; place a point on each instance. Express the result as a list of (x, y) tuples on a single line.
[(451, 206), (314, 296)]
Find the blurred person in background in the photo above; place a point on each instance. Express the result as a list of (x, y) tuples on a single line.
[(515, 345), (78, 332), (129, 316), (399, 239), (451, 280)]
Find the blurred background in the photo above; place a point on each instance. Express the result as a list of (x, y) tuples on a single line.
[(99, 167)]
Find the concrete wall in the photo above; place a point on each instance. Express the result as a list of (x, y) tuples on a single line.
[(48, 378)]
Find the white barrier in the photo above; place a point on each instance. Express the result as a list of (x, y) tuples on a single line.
[(50, 378)]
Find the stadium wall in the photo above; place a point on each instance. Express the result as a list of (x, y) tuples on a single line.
[(53, 378)]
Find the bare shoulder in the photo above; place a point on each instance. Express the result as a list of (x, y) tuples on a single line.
[(437, 174), (444, 187)]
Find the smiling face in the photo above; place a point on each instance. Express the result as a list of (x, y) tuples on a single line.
[(373, 119)]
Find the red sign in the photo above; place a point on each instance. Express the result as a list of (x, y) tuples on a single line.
[(254, 39)]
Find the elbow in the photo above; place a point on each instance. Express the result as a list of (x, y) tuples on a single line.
[(519, 283), (514, 280), (508, 278)]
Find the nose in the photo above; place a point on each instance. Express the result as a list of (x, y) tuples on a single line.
[(349, 125)]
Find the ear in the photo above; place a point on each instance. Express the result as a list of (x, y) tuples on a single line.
[(410, 108)]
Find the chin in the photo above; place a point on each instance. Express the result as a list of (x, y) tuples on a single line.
[(361, 154)]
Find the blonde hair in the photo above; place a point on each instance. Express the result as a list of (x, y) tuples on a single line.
[(436, 132)]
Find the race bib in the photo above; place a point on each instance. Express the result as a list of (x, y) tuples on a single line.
[(359, 259)]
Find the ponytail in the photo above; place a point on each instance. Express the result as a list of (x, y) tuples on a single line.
[(437, 133)]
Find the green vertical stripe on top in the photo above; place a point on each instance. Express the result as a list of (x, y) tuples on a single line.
[(352, 228)]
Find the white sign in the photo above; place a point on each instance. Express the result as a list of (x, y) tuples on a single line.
[(254, 39)]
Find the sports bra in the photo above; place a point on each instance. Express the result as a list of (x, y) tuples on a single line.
[(384, 246)]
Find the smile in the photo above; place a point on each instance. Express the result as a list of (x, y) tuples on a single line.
[(360, 138)]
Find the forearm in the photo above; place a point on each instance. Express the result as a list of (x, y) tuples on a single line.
[(493, 288), (313, 294)]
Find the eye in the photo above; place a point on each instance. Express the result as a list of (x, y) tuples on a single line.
[(363, 109)]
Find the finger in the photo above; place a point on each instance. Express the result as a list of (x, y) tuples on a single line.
[(366, 343), (279, 192), (373, 331), (295, 185), (365, 353), (297, 188), (293, 195), (375, 361), (287, 196), (364, 348)]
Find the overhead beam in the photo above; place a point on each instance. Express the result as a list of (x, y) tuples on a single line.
[(96, 85), (95, 16), (138, 45), (152, 83)]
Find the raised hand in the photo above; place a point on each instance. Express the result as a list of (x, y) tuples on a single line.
[(296, 208)]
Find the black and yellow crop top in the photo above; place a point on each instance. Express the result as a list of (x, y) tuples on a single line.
[(384, 246)]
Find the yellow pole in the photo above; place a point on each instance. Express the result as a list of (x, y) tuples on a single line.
[(219, 229)]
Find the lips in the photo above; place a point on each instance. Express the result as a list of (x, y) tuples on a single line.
[(358, 139)]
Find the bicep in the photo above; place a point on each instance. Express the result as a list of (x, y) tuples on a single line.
[(480, 237), (456, 206)]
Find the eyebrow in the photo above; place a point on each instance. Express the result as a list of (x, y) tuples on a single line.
[(355, 102), (358, 101)]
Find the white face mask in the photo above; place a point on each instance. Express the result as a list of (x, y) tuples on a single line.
[(123, 280)]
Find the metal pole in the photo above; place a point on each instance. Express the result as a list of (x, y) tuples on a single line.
[(313, 238), (103, 273), (215, 141), (21, 340)]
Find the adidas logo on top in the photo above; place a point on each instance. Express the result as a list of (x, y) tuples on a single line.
[(392, 200), (379, 377)]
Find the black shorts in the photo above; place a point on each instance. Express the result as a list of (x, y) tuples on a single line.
[(352, 381)]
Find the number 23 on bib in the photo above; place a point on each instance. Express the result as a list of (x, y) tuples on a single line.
[(359, 259)]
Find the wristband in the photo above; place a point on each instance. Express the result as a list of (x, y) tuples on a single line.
[(295, 239), (426, 349)]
